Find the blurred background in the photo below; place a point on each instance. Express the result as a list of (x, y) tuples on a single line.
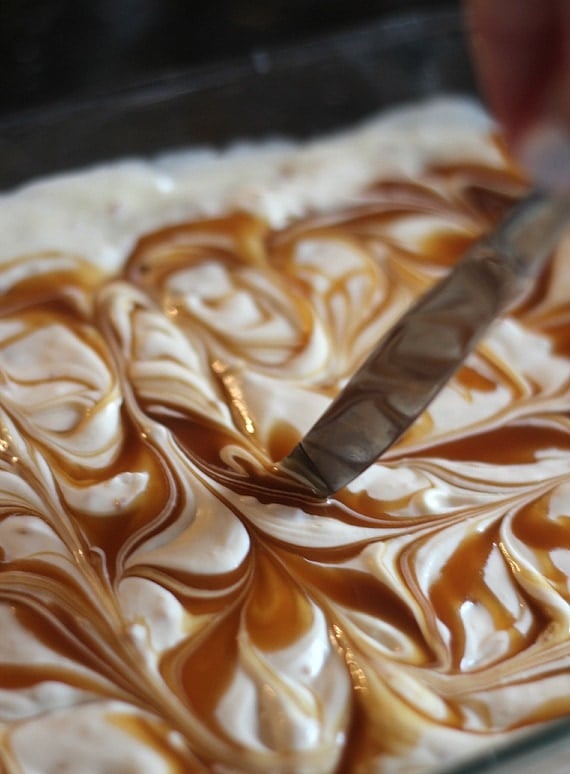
[(53, 50)]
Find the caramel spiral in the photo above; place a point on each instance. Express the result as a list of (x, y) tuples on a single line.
[(161, 591)]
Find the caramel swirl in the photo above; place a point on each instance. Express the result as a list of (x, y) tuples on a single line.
[(167, 600)]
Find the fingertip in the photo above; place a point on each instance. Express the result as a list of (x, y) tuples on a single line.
[(516, 50), (544, 151)]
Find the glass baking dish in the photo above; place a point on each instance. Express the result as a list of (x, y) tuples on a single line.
[(299, 92)]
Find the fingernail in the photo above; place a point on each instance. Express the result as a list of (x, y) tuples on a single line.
[(544, 151)]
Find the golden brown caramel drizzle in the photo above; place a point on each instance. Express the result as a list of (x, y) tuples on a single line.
[(461, 580), (356, 590), (269, 596), (514, 443), (276, 612), (200, 670), (543, 535)]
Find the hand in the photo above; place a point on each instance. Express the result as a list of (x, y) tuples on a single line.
[(521, 51)]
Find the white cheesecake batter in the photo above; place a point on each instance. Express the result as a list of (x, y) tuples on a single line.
[(168, 331)]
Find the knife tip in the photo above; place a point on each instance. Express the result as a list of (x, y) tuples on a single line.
[(299, 466)]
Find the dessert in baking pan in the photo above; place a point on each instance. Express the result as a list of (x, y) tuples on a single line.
[(169, 329)]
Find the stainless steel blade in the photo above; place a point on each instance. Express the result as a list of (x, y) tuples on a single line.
[(425, 348)]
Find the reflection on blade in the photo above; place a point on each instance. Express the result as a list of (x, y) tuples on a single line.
[(425, 348)]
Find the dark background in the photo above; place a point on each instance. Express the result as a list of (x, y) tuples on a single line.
[(53, 50)]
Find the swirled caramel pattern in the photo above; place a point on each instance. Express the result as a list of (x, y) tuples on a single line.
[(169, 604)]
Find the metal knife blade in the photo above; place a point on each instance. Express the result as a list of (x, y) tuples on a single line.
[(423, 350)]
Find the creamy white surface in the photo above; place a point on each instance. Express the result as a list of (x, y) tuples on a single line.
[(239, 345)]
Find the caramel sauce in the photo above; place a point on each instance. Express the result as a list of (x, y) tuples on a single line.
[(550, 710), (201, 669), (202, 441), (462, 581), (276, 613), (445, 249), (543, 535), (233, 240), (182, 584), (62, 291), (63, 629), (559, 334), (19, 676), (266, 603), (474, 380), (510, 444), (112, 535), (282, 439), (532, 525), (356, 590)]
